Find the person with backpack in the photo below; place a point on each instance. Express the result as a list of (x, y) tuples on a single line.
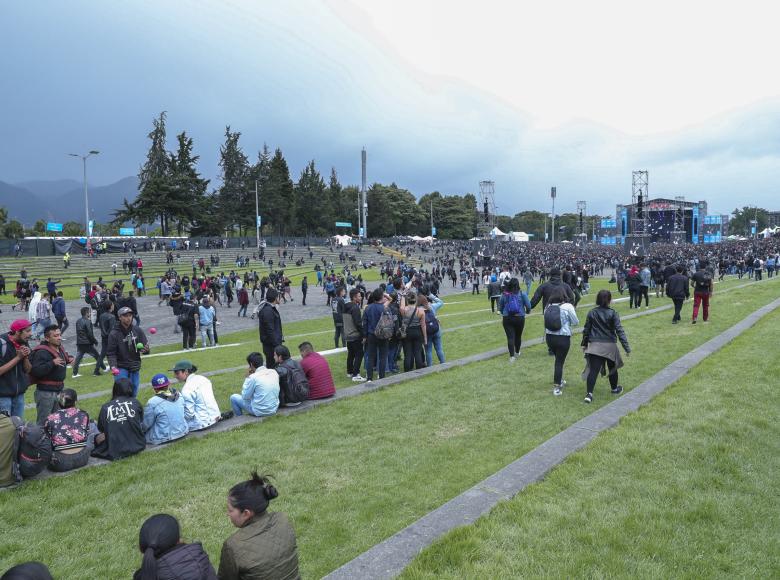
[(264, 545), (413, 332), (200, 407), (552, 287), (270, 325), (431, 304), (48, 365), (379, 326), (559, 317), (599, 342), (14, 367), (120, 424), (164, 419), (166, 557), (703, 286), (68, 428), (293, 384), (513, 306)]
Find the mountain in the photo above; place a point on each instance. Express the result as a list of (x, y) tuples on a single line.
[(50, 189), (62, 200)]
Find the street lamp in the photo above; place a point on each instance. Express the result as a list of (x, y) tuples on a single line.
[(86, 195)]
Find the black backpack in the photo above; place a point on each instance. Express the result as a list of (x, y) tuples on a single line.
[(297, 389), (552, 317), (431, 323), (35, 448)]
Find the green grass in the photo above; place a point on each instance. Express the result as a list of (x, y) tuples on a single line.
[(350, 474), (685, 487)]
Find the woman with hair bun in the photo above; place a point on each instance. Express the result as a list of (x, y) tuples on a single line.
[(264, 546), (166, 557)]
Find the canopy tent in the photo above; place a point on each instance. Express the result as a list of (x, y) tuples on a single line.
[(497, 234), (518, 237), (342, 240)]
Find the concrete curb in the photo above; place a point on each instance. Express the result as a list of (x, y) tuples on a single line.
[(388, 558)]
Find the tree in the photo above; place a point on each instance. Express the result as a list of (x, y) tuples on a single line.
[(741, 218), (393, 211), (454, 216), (279, 195), (40, 228), (72, 229), (13, 229), (314, 210), (3, 215), (233, 195), (188, 192)]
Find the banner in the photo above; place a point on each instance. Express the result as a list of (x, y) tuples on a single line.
[(126, 231), (344, 225), (53, 227)]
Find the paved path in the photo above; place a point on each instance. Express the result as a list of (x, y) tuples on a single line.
[(389, 558)]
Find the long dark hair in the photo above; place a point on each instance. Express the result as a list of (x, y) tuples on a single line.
[(603, 298), (252, 494), (158, 534)]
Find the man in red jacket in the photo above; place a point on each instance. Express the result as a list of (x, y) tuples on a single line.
[(317, 372)]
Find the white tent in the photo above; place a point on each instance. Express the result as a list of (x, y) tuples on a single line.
[(518, 237), (497, 234), (342, 240)]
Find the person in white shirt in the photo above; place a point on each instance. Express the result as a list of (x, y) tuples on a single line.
[(200, 407)]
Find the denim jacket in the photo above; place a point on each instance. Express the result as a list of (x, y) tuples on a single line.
[(164, 418)]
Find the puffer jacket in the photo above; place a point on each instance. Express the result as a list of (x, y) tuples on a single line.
[(184, 562), (264, 548), (603, 325), (164, 418)]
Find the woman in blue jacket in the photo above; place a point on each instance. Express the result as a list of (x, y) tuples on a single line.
[(164, 419), (514, 305)]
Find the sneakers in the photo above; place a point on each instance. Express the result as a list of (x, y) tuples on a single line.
[(589, 398), (76, 376), (226, 415), (617, 390), (97, 374), (557, 391), (512, 359), (693, 321), (358, 379)]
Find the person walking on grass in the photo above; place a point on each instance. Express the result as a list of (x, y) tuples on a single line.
[(513, 306), (86, 343), (599, 343), (703, 286), (678, 289), (559, 317)]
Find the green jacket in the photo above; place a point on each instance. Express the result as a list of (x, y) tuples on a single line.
[(264, 549)]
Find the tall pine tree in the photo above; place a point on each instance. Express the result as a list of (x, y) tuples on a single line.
[(233, 195), (280, 196)]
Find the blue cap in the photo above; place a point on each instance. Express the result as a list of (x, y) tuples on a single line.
[(160, 381)]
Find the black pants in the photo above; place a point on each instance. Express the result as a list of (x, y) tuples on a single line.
[(63, 323), (188, 334), (354, 356), (414, 353), (268, 355), (103, 349), (340, 333), (634, 298), (559, 345), (493, 300), (90, 350), (375, 345), (643, 293), (596, 363), (678, 304), (513, 327)]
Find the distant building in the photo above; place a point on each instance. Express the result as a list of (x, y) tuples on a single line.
[(774, 219)]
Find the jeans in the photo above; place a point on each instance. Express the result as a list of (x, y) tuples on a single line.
[(375, 345), (66, 461), (14, 406), (90, 350), (393, 346), (207, 332), (63, 323), (243, 309), (134, 376), (702, 298), (513, 327), (434, 342), (354, 356), (45, 404), (239, 405), (340, 333), (559, 345)]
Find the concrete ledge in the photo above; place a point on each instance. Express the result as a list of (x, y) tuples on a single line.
[(388, 558)]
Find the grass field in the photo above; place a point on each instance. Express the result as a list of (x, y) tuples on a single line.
[(349, 474), (686, 487)]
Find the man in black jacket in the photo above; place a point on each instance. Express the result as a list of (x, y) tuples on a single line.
[(14, 367), (106, 322), (553, 287), (677, 288), (126, 343), (85, 343), (270, 325), (353, 332), (48, 364)]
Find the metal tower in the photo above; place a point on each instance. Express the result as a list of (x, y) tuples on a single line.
[(639, 198), (486, 210), (582, 210)]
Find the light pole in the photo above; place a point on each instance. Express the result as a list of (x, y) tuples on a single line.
[(86, 194)]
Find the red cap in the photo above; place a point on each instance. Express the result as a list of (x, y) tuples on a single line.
[(20, 324)]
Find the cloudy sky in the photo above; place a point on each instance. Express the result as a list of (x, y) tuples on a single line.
[(442, 94)]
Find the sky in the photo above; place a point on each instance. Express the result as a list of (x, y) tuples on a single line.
[(442, 94)]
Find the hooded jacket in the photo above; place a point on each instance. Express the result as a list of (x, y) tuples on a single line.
[(164, 417), (122, 350), (553, 287)]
